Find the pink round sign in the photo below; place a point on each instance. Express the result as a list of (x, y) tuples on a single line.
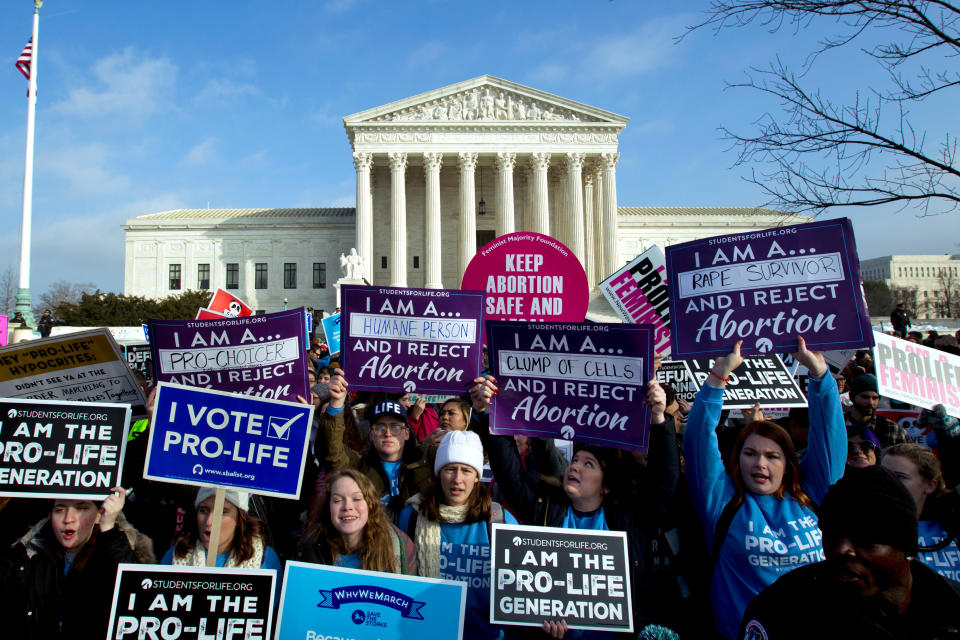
[(529, 276)]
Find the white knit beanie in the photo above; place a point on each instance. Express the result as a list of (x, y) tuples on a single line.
[(459, 446), (239, 499)]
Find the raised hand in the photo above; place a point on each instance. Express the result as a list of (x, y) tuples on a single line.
[(482, 392), (338, 389), (812, 360)]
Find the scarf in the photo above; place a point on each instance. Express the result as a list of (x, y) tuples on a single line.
[(197, 557), (428, 538)]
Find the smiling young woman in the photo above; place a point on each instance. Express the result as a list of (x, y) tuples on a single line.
[(350, 528)]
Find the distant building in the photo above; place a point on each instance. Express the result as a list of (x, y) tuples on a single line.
[(438, 176), (929, 285)]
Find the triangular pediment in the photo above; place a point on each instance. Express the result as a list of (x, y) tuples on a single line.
[(485, 100)]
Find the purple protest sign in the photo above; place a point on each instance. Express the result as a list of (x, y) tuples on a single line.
[(576, 381), (262, 355), (765, 288), (423, 340)]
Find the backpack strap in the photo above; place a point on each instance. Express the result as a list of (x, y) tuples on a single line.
[(496, 516), (720, 530), (412, 524), (398, 551), (496, 512)]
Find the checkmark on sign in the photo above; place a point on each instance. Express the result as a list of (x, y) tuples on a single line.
[(280, 430)]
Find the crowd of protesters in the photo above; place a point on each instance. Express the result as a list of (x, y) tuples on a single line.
[(832, 521)]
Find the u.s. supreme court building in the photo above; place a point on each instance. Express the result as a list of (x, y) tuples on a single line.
[(438, 176)]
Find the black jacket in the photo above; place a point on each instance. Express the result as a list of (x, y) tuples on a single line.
[(37, 602), (804, 604), (640, 512)]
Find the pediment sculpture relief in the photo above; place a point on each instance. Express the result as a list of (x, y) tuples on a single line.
[(483, 104)]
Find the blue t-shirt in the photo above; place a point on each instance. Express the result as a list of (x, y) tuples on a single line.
[(392, 470), (946, 561), (594, 520), (768, 536), (349, 560), (465, 557)]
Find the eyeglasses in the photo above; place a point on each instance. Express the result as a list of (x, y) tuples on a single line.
[(865, 446), (395, 429)]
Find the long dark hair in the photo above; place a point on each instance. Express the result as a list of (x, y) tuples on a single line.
[(478, 502), (376, 547), (248, 528), (792, 474)]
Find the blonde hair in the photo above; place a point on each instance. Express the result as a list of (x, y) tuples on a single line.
[(927, 463)]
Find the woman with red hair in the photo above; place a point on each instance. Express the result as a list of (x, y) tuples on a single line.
[(760, 519)]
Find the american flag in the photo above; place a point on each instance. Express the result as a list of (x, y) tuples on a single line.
[(26, 56)]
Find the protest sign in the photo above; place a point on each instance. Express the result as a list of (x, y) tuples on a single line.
[(764, 379), (4, 330), (229, 305), (191, 603), (60, 449), (638, 293), (675, 374), (146, 332), (529, 276), (209, 314), (909, 420), (425, 340), (331, 331), (323, 603), (547, 573), (205, 437), (83, 367), (765, 288), (917, 374), (138, 357), (576, 381), (261, 355)]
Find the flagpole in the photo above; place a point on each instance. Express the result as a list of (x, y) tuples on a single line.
[(24, 305)]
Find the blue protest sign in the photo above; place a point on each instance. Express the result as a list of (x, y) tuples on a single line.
[(333, 602), (331, 329), (146, 332), (206, 437), (308, 320)]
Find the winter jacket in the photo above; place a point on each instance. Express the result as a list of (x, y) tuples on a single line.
[(806, 603), (416, 472), (546, 504), (768, 536), (39, 603)]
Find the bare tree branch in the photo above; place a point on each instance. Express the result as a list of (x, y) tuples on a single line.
[(820, 154)]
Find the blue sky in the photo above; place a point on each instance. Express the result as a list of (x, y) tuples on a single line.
[(150, 106)]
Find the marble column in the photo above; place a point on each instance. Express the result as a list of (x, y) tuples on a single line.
[(588, 228), (540, 162), (610, 258), (468, 211), (562, 204), (598, 218), (575, 233), (398, 219), (432, 266), (505, 214), (363, 162)]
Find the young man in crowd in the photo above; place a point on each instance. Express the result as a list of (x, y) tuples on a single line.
[(862, 414), (870, 585), (395, 464)]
